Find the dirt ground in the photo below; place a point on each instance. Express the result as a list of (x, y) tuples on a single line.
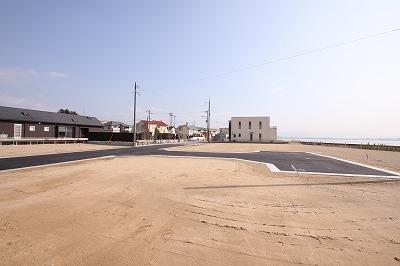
[(179, 211), (384, 159), (26, 150)]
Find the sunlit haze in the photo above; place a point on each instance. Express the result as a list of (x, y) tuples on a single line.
[(86, 55)]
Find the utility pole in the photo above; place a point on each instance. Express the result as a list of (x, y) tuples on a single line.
[(208, 120), (171, 115), (148, 122), (134, 115)]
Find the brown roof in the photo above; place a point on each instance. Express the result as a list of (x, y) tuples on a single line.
[(154, 122)]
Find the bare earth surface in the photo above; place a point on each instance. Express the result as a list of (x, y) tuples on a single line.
[(178, 211), (385, 159), (26, 150)]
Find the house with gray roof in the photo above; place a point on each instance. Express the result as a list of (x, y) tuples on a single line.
[(116, 126), (25, 123)]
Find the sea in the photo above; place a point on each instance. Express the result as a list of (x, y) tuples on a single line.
[(380, 141)]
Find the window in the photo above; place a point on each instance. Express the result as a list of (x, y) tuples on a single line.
[(31, 128), (61, 132), (46, 129), (259, 125), (69, 133), (249, 124), (240, 135), (65, 132), (259, 137), (240, 125), (234, 135)]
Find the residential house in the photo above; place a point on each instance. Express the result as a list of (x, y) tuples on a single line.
[(222, 135), (147, 129), (172, 133), (25, 123), (115, 126), (183, 132), (197, 131)]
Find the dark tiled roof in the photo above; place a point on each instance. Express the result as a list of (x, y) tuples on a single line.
[(114, 123), (26, 115)]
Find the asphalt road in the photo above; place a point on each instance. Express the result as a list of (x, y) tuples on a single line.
[(284, 161)]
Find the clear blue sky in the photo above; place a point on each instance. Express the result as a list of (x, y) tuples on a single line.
[(85, 56)]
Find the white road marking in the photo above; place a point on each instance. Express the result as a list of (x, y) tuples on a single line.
[(217, 152), (275, 169), (272, 167), (356, 163), (53, 164)]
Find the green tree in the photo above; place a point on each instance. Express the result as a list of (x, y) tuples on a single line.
[(157, 133), (66, 111)]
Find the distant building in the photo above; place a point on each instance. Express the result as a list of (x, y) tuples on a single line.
[(172, 131), (147, 129), (201, 131), (222, 135), (252, 129), (213, 132), (183, 132), (115, 126), (192, 132), (25, 123), (196, 131)]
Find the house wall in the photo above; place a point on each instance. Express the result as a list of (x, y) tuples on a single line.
[(242, 133), (183, 132), (8, 128), (141, 127), (77, 132), (39, 131)]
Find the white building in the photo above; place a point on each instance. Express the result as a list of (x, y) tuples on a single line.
[(197, 131), (252, 129), (190, 132), (115, 126), (171, 130)]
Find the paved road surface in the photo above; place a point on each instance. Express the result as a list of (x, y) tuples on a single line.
[(284, 161)]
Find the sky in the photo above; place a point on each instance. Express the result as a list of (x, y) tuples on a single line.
[(86, 56)]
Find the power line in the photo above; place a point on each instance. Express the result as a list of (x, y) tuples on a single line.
[(277, 60), (180, 113)]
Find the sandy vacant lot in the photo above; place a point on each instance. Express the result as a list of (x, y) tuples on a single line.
[(26, 150), (384, 159), (179, 211)]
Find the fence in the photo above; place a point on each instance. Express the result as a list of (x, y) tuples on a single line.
[(30, 141)]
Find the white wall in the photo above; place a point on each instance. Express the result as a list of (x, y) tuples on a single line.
[(268, 133)]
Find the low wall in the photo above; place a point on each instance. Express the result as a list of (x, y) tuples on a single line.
[(124, 137), (110, 136)]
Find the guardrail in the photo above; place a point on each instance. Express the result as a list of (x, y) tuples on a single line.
[(30, 141)]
